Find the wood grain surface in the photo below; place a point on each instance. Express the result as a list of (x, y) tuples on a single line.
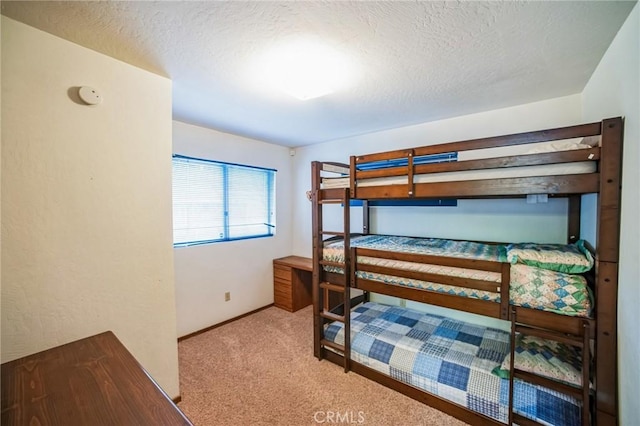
[(92, 381)]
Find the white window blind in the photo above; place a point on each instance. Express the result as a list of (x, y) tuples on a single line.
[(214, 201)]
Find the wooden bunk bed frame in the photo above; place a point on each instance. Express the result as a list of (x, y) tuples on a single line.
[(600, 328)]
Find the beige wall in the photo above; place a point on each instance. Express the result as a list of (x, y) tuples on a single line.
[(244, 268), (614, 90), (86, 206)]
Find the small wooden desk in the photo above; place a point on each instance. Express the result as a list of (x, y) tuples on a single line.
[(292, 282), (93, 381)]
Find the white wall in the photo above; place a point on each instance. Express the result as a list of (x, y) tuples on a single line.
[(86, 206), (614, 90), (204, 273), (506, 220)]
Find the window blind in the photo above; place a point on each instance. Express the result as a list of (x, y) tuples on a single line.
[(215, 201)]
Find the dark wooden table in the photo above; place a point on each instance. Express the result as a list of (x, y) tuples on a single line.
[(93, 381)]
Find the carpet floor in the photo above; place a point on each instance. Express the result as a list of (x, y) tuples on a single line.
[(260, 370)]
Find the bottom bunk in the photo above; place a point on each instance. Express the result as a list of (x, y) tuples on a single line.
[(460, 362)]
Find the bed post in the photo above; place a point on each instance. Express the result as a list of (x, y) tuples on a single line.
[(365, 217), (352, 176), (316, 212), (346, 300), (573, 226), (608, 239)]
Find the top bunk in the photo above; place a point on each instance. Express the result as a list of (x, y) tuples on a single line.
[(557, 162)]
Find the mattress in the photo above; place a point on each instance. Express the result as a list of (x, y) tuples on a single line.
[(530, 287), (574, 168), (448, 358)]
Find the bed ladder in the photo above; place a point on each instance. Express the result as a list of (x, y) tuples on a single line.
[(324, 311), (580, 341)]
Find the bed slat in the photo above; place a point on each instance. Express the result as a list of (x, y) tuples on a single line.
[(552, 321), (544, 334), (332, 345), (330, 194), (483, 265), (487, 188), (555, 185), (582, 130), (512, 161), (523, 421), (579, 131), (475, 306), (490, 286), (488, 163), (331, 316), (332, 287)]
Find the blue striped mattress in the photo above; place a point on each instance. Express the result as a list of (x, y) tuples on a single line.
[(448, 358)]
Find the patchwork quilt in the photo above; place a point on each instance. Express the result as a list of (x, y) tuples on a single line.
[(531, 287), (448, 358)]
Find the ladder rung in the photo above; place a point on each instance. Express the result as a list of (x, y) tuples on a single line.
[(548, 383), (523, 421), (325, 342), (331, 316), (341, 234), (332, 287), (340, 279), (331, 201), (329, 263), (551, 335)]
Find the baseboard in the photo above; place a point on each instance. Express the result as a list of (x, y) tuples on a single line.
[(204, 330)]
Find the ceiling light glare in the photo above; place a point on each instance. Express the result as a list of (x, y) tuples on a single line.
[(305, 69)]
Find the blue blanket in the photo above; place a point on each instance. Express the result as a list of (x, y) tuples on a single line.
[(448, 358)]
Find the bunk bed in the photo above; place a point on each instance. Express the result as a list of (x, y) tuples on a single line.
[(576, 326)]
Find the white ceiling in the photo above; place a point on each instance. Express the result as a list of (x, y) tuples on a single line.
[(413, 61)]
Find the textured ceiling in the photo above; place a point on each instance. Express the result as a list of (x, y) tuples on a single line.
[(413, 62)]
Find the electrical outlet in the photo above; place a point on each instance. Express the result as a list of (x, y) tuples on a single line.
[(227, 296)]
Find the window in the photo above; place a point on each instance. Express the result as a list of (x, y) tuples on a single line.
[(214, 201)]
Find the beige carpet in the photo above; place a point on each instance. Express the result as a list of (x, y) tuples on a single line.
[(260, 370)]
